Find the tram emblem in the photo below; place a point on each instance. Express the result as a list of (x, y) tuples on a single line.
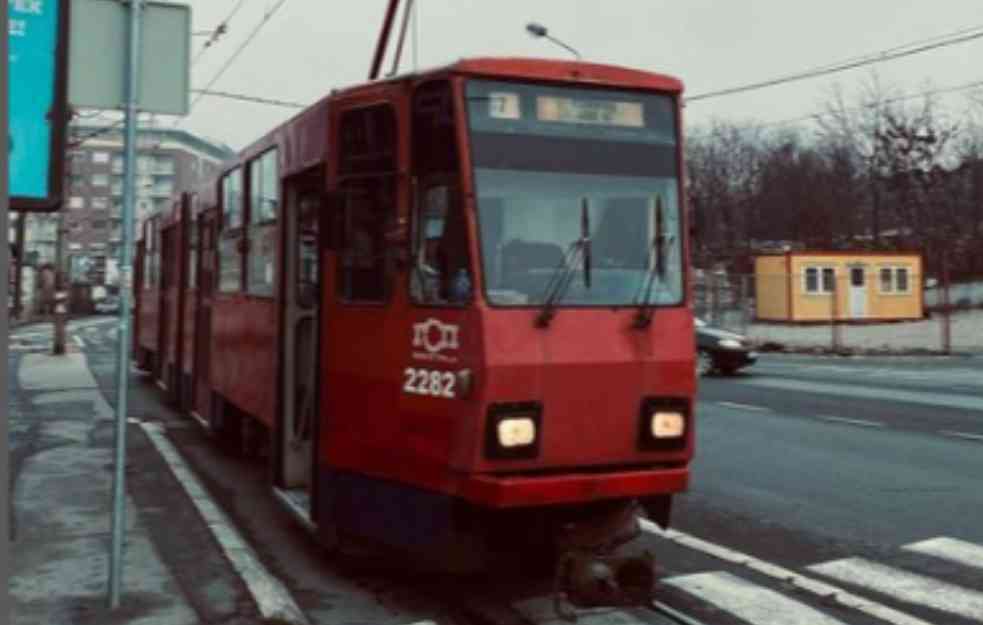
[(435, 336)]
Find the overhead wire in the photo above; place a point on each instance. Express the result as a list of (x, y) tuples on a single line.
[(235, 55), (911, 96), (963, 36), (219, 30), (248, 98)]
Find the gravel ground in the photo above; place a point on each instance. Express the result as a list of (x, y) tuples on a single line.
[(926, 335)]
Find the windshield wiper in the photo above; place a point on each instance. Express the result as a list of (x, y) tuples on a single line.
[(657, 268), (560, 280)]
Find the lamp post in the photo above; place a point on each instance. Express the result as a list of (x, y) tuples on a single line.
[(538, 30)]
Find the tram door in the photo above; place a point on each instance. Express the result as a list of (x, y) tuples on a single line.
[(200, 376), (299, 364), (165, 332)]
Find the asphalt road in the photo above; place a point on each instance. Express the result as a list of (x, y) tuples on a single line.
[(825, 490), (802, 461)]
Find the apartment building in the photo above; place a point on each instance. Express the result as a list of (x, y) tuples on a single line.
[(168, 160)]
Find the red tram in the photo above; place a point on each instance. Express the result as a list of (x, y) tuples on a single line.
[(455, 304)]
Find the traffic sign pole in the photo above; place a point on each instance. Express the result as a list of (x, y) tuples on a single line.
[(126, 270)]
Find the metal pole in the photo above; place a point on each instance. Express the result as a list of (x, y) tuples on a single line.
[(60, 309), (834, 314), (126, 283), (946, 311), (21, 255)]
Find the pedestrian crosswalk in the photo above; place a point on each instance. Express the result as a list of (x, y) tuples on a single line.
[(853, 584), (97, 335), (846, 591), (747, 601), (905, 586)]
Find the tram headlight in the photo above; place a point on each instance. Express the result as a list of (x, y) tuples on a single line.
[(516, 432), (513, 430), (666, 424)]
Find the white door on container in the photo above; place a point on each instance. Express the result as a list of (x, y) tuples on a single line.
[(858, 293)]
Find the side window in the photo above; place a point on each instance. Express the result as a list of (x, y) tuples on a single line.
[(887, 284), (230, 259), (264, 207), (812, 280), (193, 243), (308, 273), (364, 267), (901, 279), (232, 200), (441, 268), (367, 168)]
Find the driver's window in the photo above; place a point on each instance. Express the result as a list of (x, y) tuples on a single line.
[(441, 272)]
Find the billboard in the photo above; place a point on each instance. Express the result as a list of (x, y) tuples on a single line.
[(37, 33)]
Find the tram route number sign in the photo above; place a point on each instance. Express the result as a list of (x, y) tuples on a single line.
[(36, 82)]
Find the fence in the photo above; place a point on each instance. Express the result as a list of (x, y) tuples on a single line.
[(877, 311)]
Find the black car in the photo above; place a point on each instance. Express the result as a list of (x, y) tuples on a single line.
[(720, 351)]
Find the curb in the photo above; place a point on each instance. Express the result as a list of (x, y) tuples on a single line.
[(274, 601)]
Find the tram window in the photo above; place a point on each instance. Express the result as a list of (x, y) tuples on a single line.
[(193, 252), (308, 277), (263, 208), (441, 269), (363, 268), (367, 162), (232, 199), (230, 259), (264, 185), (440, 274)]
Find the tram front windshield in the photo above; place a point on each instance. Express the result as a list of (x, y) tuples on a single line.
[(550, 162)]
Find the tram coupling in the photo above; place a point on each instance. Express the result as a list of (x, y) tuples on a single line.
[(590, 571)]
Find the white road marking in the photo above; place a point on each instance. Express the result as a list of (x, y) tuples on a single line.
[(924, 398), (906, 586), (787, 576), (540, 610), (271, 596), (748, 601), (861, 422), (966, 435), (737, 406), (951, 549)]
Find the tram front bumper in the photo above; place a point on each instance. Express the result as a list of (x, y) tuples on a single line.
[(496, 491)]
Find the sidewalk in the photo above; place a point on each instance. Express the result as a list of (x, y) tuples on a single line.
[(61, 492)]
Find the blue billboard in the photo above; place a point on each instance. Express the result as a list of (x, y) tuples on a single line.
[(36, 102)]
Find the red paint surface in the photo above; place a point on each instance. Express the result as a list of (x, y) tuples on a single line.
[(244, 361)]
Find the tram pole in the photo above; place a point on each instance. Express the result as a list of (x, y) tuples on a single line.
[(126, 284)]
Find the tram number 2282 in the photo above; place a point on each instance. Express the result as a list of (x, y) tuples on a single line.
[(429, 382)]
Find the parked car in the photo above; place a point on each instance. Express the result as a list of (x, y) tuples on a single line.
[(720, 351), (108, 304)]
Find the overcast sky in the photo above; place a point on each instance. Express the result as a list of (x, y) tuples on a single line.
[(311, 46)]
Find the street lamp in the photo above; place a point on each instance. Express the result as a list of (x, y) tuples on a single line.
[(538, 30)]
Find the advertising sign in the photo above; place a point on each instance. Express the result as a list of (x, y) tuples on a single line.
[(36, 86)]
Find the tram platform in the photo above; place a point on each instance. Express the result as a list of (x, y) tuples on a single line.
[(62, 436)]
